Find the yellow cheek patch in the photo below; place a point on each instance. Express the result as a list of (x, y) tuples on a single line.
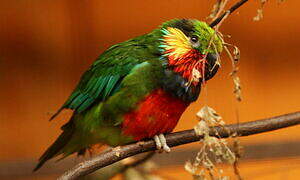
[(176, 43)]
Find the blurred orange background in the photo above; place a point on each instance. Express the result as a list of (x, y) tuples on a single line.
[(46, 45)]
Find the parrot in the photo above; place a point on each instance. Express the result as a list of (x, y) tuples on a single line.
[(138, 89)]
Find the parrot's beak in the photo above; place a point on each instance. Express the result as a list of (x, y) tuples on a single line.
[(211, 58), (212, 65)]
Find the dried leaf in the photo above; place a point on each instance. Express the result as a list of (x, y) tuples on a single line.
[(259, 15), (216, 8), (196, 75), (237, 88), (201, 128), (209, 115), (236, 54), (188, 166)]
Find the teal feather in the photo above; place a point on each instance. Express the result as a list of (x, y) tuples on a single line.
[(110, 85), (85, 104)]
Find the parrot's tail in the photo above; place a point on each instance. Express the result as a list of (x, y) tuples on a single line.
[(56, 148)]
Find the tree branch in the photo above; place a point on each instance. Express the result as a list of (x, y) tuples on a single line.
[(229, 11), (179, 138)]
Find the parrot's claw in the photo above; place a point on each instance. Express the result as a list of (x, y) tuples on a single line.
[(157, 142), (161, 143)]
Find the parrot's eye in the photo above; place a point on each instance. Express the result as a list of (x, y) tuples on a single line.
[(194, 41)]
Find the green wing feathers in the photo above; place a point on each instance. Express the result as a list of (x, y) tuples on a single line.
[(91, 87), (97, 88)]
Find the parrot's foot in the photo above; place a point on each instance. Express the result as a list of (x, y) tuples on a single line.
[(161, 143)]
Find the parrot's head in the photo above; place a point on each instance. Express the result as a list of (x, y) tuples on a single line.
[(191, 48)]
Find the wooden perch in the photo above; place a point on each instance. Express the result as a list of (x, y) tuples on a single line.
[(178, 138)]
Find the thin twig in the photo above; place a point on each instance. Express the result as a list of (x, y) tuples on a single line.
[(179, 138), (229, 11)]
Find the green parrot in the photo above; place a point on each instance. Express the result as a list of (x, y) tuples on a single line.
[(139, 88)]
